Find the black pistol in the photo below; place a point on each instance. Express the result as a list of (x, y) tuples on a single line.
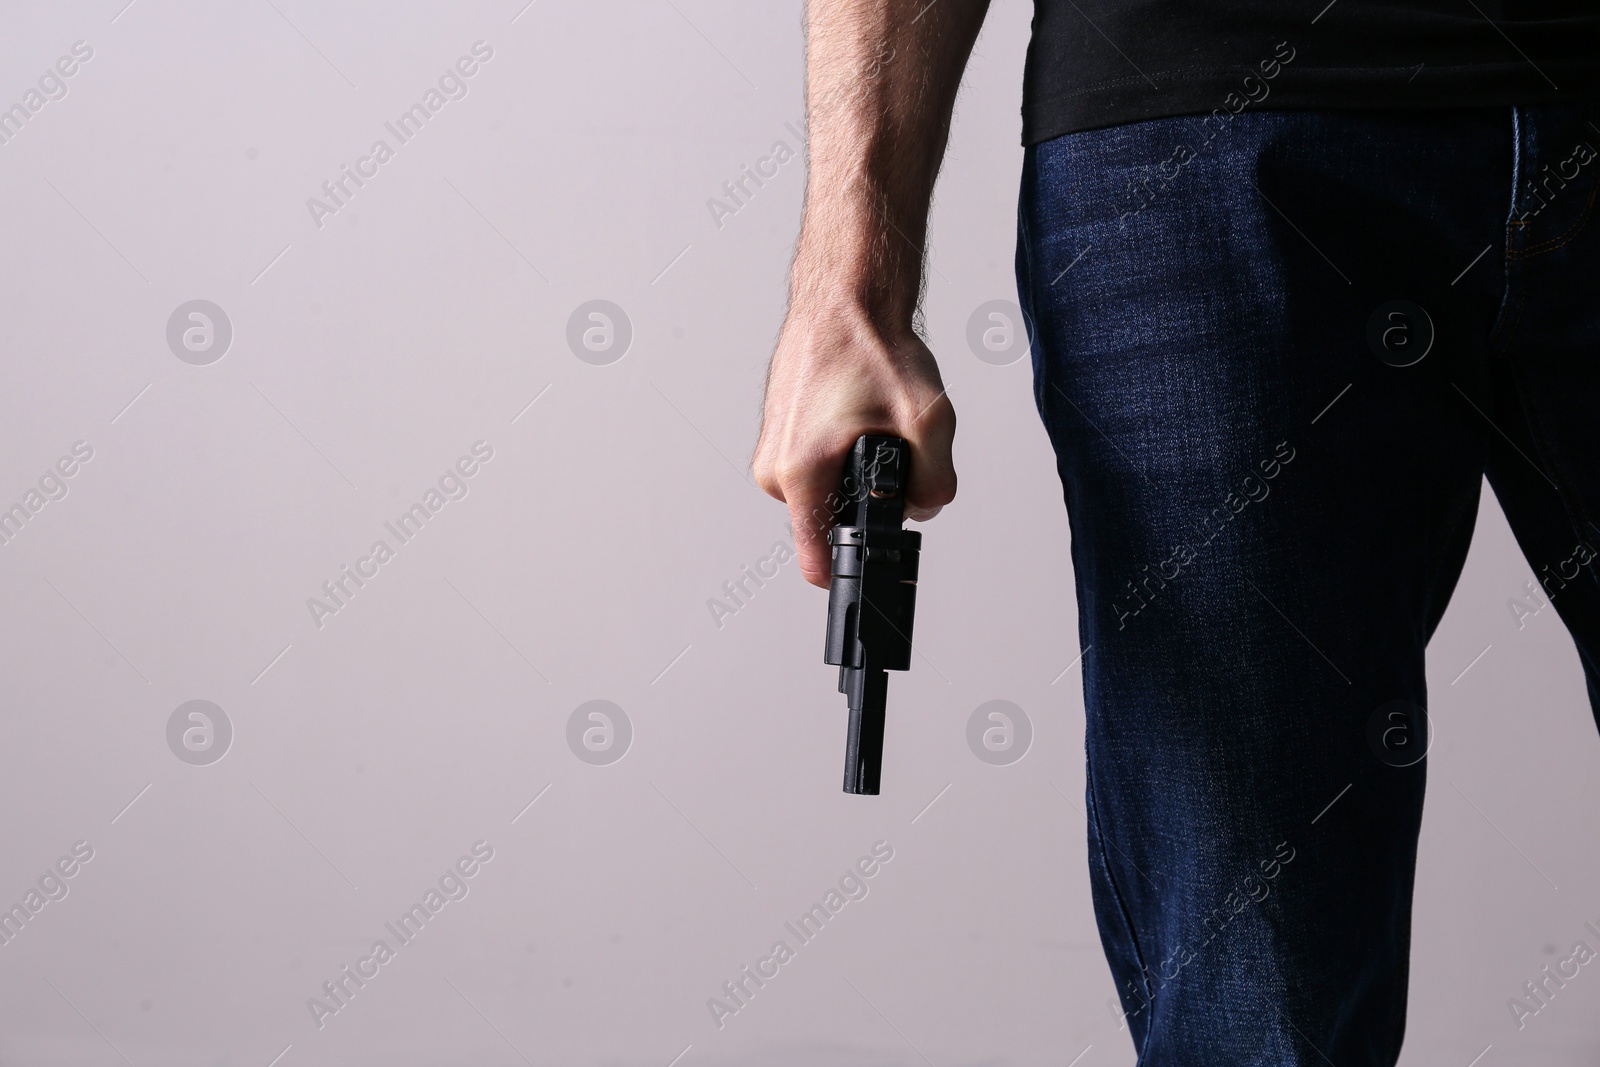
[(872, 596)]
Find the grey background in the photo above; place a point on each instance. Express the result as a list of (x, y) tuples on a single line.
[(368, 755)]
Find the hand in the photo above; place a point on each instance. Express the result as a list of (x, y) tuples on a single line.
[(835, 376)]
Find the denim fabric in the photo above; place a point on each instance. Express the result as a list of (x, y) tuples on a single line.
[(1268, 519)]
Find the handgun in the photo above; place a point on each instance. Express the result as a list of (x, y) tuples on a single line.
[(872, 596)]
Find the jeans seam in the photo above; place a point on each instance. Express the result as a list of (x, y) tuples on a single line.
[(1560, 240), (1505, 326), (1122, 906), (1025, 293)]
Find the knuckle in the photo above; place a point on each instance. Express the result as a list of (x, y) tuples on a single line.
[(790, 474), (769, 484)]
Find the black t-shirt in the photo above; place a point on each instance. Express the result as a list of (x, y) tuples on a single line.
[(1102, 62)]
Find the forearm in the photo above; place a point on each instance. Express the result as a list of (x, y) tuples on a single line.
[(881, 83), (882, 77)]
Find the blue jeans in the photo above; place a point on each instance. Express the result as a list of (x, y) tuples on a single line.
[(1276, 356)]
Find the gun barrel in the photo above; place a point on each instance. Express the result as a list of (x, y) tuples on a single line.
[(868, 692)]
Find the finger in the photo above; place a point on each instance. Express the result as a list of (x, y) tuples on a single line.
[(762, 468), (811, 517)]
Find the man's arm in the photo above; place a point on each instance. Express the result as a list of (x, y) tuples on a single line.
[(881, 81)]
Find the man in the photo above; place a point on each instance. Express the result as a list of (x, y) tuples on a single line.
[(1297, 277)]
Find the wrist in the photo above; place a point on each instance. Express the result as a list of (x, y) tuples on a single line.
[(834, 304), (867, 269)]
